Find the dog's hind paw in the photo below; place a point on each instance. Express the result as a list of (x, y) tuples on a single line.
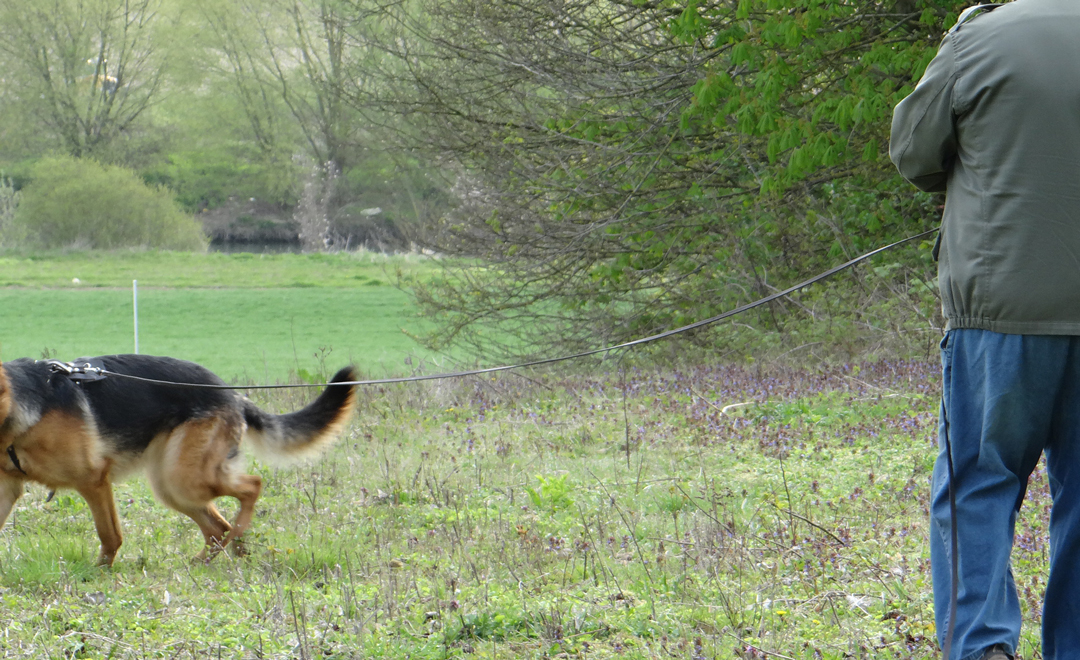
[(238, 549)]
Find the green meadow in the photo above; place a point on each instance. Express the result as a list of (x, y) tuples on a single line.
[(699, 512), (694, 510), (249, 317)]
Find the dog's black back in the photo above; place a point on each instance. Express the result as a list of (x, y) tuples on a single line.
[(127, 413)]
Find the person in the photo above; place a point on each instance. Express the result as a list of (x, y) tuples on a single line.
[(994, 122)]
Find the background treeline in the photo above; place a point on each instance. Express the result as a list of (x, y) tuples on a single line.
[(245, 112), (606, 169)]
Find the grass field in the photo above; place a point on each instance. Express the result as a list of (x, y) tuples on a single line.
[(250, 317), (708, 512), (209, 270)]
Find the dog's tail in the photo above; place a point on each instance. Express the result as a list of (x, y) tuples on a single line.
[(307, 432)]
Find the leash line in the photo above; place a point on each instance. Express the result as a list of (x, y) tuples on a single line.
[(91, 371)]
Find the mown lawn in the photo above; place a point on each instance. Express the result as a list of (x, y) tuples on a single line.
[(257, 335), (211, 269), (705, 512), (261, 318)]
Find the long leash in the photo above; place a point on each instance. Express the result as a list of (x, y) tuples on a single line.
[(87, 371), (82, 370)]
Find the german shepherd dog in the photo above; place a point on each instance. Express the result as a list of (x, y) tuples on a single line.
[(85, 434)]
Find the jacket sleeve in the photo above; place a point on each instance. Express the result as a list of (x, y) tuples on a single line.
[(923, 142)]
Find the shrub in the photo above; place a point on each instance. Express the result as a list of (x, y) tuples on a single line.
[(76, 202), (207, 178)]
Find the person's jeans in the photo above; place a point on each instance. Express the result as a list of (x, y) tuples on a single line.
[(1008, 399)]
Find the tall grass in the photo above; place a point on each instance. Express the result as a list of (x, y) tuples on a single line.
[(707, 512)]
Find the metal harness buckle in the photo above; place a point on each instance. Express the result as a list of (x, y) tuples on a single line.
[(82, 369)]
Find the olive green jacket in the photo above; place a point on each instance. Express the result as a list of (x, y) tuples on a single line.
[(995, 123)]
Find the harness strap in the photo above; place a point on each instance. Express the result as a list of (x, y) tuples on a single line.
[(14, 458)]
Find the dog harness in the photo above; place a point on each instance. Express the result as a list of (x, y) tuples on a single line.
[(82, 369), (14, 458)]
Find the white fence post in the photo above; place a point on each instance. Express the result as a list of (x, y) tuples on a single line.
[(135, 305)]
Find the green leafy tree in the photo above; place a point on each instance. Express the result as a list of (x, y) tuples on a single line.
[(297, 58), (73, 202), (625, 167), (297, 69), (88, 70), (237, 39)]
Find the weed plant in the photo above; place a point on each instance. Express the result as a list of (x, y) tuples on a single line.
[(705, 512)]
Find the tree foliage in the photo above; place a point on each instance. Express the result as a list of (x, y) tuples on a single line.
[(625, 167), (218, 101), (292, 66), (617, 167), (88, 70), (291, 56), (9, 203)]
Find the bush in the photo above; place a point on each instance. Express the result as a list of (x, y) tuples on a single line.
[(75, 202), (207, 178)]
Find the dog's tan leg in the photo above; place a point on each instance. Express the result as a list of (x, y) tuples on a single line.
[(246, 488), (214, 528), (218, 533), (99, 497), (10, 492), (193, 466)]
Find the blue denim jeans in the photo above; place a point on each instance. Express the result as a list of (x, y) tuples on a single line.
[(1008, 399)]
